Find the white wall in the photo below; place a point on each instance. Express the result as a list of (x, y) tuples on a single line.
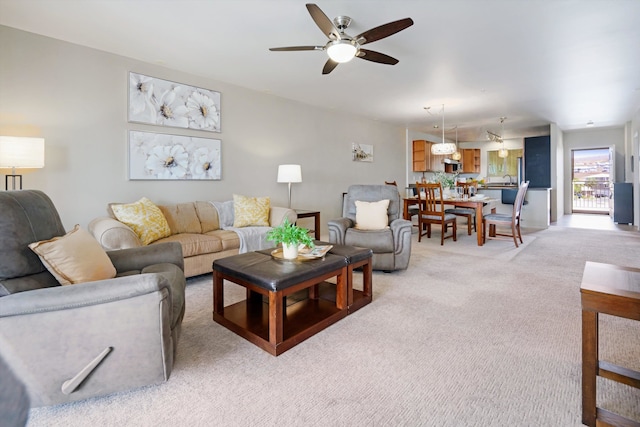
[(76, 98)]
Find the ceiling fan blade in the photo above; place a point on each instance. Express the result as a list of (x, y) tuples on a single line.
[(329, 66), (293, 48), (372, 56), (322, 21), (383, 31)]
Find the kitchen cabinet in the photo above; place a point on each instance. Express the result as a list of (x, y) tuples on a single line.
[(423, 160), (421, 155), (470, 160)]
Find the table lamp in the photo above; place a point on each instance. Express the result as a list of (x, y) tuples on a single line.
[(20, 152), (289, 174)]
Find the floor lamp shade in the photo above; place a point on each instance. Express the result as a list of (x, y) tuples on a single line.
[(289, 174), (20, 152)]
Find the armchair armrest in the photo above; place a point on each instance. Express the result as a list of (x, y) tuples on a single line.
[(278, 214), (82, 295), (338, 229), (139, 258), (55, 338), (112, 234), (401, 230)]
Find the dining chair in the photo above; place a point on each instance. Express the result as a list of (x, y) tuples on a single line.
[(468, 213), (513, 220), (431, 211)]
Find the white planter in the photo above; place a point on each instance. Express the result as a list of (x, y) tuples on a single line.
[(290, 251)]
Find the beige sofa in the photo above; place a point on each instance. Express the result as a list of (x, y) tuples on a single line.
[(196, 226)]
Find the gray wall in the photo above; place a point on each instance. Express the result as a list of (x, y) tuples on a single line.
[(76, 98)]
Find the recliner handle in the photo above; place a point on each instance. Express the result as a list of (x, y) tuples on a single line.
[(72, 385)]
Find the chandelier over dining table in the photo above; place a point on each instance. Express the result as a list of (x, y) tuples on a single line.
[(443, 148)]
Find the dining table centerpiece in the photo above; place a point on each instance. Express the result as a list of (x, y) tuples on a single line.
[(447, 180)]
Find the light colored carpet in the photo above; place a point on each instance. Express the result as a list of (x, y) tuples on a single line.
[(456, 340)]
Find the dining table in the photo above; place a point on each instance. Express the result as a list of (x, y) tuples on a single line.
[(473, 202)]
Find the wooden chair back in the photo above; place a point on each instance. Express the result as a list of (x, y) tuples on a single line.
[(391, 183), (430, 199), (468, 184)]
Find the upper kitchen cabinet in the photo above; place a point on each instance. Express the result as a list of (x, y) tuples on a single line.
[(470, 160), (423, 160), (421, 155)]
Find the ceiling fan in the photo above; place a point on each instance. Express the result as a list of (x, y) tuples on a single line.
[(341, 47)]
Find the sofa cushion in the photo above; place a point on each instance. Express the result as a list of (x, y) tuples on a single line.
[(251, 211), (372, 215), (229, 239), (75, 257), (182, 218), (195, 244), (144, 218), (208, 216)]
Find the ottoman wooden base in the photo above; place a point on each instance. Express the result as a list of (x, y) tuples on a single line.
[(275, 326)]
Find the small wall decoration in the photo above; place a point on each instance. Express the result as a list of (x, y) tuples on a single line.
[(161, 102), (362, 152), (157, 156)]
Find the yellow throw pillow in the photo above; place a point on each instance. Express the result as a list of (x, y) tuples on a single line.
[(251, 211), (144, 218), (372, 215), (75, 257)]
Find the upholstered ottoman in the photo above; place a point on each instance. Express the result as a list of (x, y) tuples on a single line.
[(271, 323)]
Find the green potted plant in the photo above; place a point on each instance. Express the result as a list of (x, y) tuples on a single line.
[(290, 236)]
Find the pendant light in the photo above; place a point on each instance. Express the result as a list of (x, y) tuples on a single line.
[(503, 152), (443, 148), (457, 155)]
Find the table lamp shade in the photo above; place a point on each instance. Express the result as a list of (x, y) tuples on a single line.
[(21, 152), (289, 173)]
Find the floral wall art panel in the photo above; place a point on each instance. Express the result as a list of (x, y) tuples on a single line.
[(362, 152), (165, 103), (158, 156)]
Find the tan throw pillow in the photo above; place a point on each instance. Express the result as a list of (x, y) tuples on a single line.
[(182, 218), (372, 215), (144, 218), (75, 257), (251, 211)]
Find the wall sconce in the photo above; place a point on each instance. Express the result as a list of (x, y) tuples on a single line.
[(289, 174), (20, 152)]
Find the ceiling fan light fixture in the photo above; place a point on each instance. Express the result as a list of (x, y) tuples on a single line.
[(341, 50)]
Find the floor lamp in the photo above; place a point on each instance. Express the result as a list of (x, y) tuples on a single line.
[(20, 152), (289, 174)]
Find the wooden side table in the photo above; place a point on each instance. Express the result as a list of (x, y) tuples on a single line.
[(311, 214), (612, 290)]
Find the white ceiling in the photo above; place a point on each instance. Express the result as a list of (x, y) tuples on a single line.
[(534, 61)]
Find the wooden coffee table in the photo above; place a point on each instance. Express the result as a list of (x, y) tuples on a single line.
[(276, 326), (612, 290)]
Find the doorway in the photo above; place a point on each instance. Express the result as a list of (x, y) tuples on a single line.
[(591, 178)]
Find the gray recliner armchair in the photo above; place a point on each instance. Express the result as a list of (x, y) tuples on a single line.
[(391, 246), (69, 343)]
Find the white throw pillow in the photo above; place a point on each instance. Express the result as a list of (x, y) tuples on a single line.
[(372, 215)]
